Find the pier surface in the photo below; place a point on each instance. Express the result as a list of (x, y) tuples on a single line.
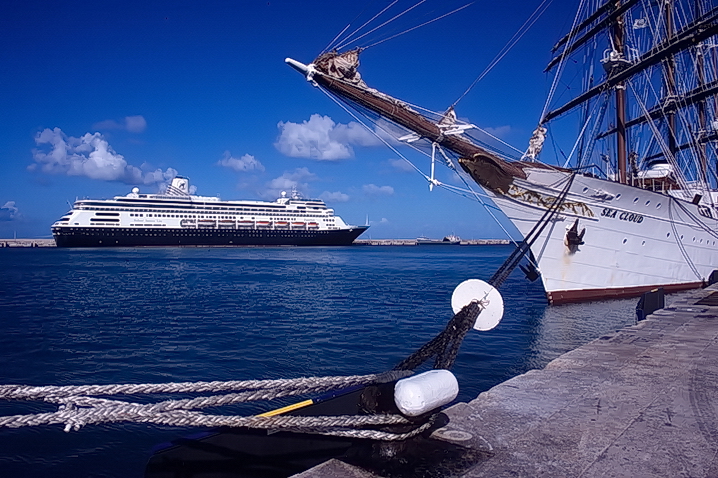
[(640, 402), (27, 242)]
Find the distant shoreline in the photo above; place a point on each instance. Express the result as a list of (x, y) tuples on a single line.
[(23, 243)]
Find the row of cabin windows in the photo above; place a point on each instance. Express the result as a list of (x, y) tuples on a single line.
[(240, 209), (189, 216)]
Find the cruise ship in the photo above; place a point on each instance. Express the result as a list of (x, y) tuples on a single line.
[(178, 218)]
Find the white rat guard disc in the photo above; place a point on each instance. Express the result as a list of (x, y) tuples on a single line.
[(490, 299)]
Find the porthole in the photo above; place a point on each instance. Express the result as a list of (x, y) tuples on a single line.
[(658, 206), (668, 234), (635, 200), (618, 196), (648, 202), (643, 243), (585, 189), (625, 240)]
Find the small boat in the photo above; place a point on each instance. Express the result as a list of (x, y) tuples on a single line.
[(313, 225), (298, 224), (450, 240)]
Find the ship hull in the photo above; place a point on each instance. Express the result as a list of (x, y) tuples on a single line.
[(635, 239), (135, 237)]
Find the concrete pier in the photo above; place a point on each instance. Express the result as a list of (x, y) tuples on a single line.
[(413, 242), (641, 402), (27, 242)]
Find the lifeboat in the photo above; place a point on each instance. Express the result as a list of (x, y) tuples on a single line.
[(227, 223), (264, 223), (298, 224), (313, 225), (281, 224), (206, 223), (245, 223)]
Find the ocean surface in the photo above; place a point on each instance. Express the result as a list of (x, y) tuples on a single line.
[(102, 316)]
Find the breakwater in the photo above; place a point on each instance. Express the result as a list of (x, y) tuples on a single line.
[(358, 242), (413, 242), (27, 242)]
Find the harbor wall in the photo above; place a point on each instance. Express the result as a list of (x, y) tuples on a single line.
[(358, 242), (27, 242)]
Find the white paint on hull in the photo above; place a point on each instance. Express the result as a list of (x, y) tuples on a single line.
[(634, 237)]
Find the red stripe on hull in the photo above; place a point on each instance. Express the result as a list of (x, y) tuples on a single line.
[(585, 295)]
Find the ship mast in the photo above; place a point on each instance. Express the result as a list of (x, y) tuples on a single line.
[(701, 106), (670, 81), (620, 99)]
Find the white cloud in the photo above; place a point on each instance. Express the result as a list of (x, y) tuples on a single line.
[(91, 156), (245, 163), (9, 212), (322, 139), (401, 165), (372, 190), (499, 131), (336, 196), (132, 124), (135, 124), (298, 179)]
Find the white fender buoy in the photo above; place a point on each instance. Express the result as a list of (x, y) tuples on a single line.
[(427, 391), (492, 303)]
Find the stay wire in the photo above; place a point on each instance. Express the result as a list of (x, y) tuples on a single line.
[(348, 38), (418, 26), (346, 42), (509, 45)]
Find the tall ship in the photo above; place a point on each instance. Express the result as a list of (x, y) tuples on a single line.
[(178, 218), (632, 207)]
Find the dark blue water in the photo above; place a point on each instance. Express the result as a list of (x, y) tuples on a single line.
[(98, 316)]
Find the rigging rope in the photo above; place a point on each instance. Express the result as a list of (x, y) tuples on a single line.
[(679, 240), (473, 193), (346, 42), (418, 26), (358, 29), (562, 62), (523, 29)]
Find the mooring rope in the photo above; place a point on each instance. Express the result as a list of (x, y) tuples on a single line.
[(79, 406)]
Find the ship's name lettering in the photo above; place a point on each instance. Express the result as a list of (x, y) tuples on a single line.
[(623, 216)]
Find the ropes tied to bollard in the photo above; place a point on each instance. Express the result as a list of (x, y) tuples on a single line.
[(83, 405)]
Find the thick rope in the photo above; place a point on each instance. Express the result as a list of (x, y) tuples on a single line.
[(78, 406), (445, 346), (25, 392)]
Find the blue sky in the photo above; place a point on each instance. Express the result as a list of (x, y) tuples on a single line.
[(97, 97)]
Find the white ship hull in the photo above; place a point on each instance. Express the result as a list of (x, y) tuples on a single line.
[(635, 239), (178, 218)]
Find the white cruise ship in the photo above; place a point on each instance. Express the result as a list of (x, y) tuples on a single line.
[(177, 218)]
